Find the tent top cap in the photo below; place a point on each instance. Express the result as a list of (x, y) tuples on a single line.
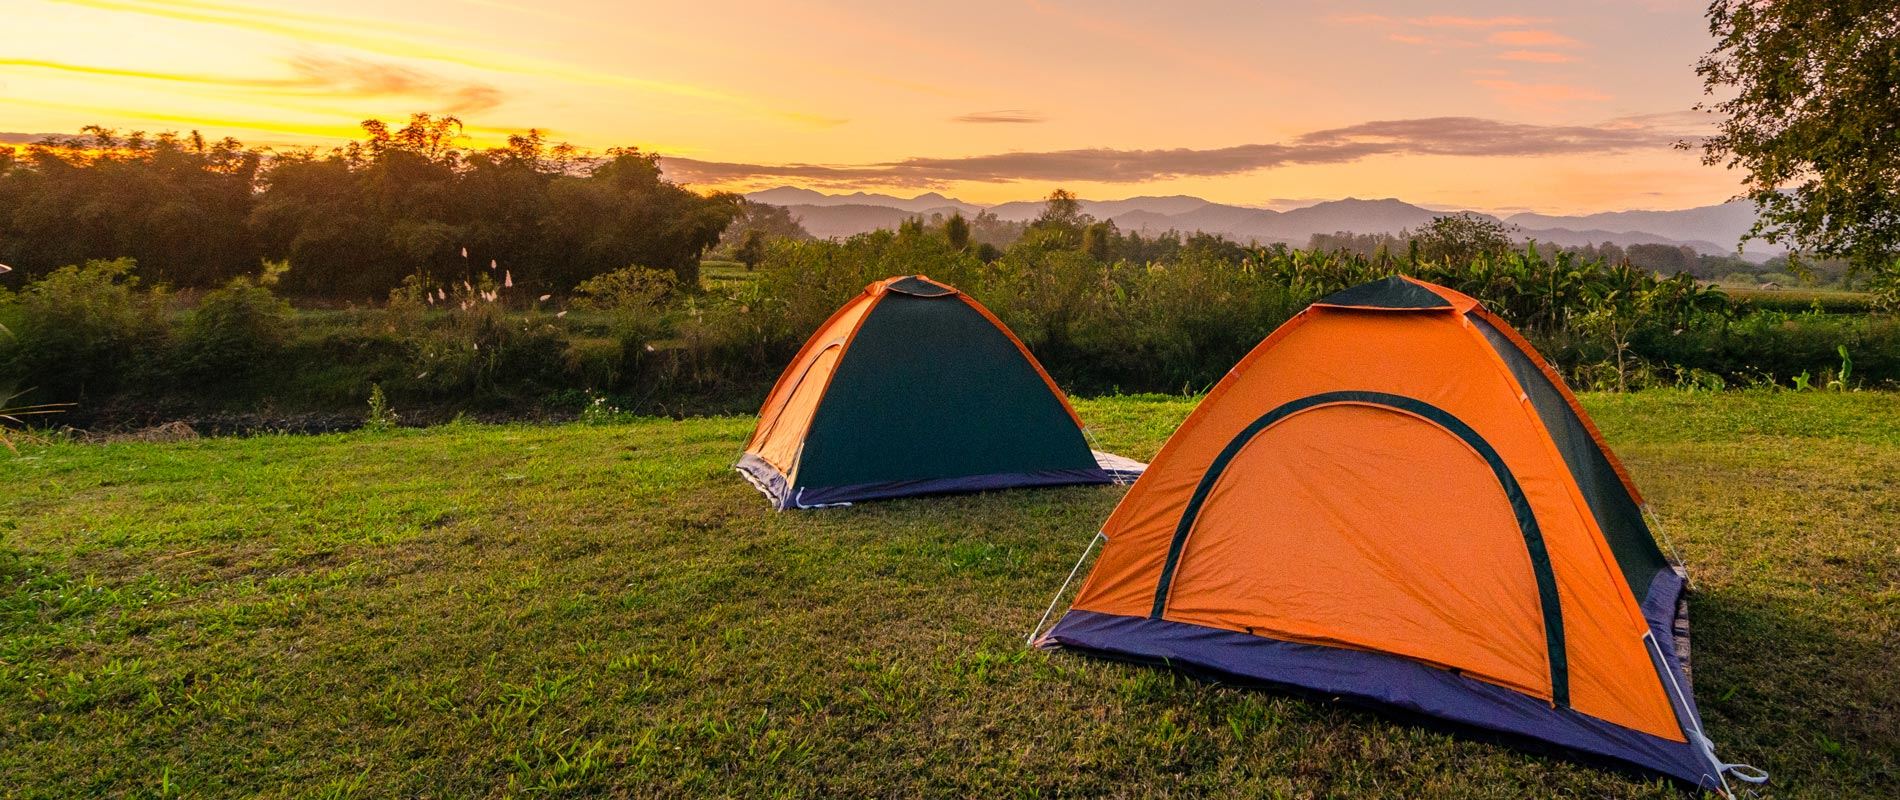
[(1399, 293), (914, 285)]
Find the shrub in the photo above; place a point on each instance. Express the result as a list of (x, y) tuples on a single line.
[(633, 299), (381, 418), (234, 335), (1777, 346), (801, 283), (595, 362), (475, 350), (598, 411), (81, 332)]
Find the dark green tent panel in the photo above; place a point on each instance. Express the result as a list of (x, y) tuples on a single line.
[(914, 388)]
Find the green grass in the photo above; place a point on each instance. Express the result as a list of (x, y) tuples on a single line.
[(725, 275), (1832, 301), (608, 611)]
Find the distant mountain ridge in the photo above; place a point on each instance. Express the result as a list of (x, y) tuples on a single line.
[(1707, 229)]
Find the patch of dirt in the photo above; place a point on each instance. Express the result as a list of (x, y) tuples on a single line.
[(174, 431)]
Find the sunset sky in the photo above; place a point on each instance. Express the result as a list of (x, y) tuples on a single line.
[(1558, 107)]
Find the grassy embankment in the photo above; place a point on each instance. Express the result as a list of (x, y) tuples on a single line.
[(607, 611)]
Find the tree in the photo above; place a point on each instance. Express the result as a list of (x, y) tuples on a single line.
[(175, 203), (1458, 239), (776, 222), (1663, 258), (751, 249), (957, 230), (1814, 121), (987, 228), (1063, 211), (1099, 240)]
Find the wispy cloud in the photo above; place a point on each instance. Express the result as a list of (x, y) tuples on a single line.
[(1436, 136), (311, 75), (1536, 56), (134, 116), (1476, 136), (1007, 116), (1472, 22), (1532, 38), (409, 42), (371, 78), (1361, 19), (16, 137), (1437, 21), (1439, 33)]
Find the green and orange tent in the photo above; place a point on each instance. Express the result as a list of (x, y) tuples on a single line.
[(1393, 500), (913, 388)]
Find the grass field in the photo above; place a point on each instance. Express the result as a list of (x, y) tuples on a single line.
[(607, 611), (1833, 301)]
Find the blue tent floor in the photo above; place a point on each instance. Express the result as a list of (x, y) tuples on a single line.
[(1109, 468)]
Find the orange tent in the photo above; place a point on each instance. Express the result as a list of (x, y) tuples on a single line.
[(1394, 500)]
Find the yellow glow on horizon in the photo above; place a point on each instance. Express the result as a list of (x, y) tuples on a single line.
[(85, 69), (857, 84), (338, 31)]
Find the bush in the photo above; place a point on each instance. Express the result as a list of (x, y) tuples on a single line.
[(633, 299), (1173, 321), (381, 418), (234, 336), (82, 332), (801, 283), (1771, 346)]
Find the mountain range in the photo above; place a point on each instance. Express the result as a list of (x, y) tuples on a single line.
[(1708, 229)]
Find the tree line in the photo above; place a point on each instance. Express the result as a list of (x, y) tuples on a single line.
[(355, 221)]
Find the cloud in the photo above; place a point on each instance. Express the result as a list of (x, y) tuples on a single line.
[(1011, 115), (1532, 39), (373, 78), (1436, 136), (1436, 21), (1454, 31), (15, 137), (311, 75), (1472, 22), (433, 43), (1476, 136), (1536, 56)]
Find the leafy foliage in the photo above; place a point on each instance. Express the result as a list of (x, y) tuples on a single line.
[(381, 418), (235, 333), (79, 332), (356, 221), (1813, 97), (1461, 239), (1104, 312), (761, 222), (634, 301), (176, 204)]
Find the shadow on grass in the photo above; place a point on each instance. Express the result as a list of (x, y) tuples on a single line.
[(1786, 689)]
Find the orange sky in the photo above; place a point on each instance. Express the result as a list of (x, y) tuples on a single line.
[(1559, 107)]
